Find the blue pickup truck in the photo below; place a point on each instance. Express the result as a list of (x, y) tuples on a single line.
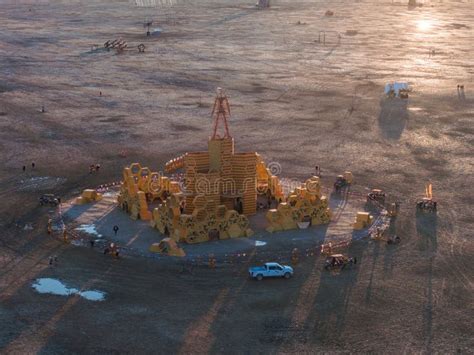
[(270, 270)]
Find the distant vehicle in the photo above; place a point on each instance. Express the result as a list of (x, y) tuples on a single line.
[(377, 196), (399, 90), (270, 270), (394, 240), (49, 199), (338, 262), (340, 183), (427, 204)]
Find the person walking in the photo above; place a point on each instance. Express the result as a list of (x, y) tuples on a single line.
[(50, 224), (24, 168), (318, 170), (116, 229)]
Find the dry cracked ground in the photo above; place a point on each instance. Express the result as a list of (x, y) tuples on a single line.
[(305, 89)]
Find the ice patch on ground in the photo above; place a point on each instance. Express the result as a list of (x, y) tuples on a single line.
[(259, 243), (56, 287), (93, 295), (53, 287), (40, 182), (89, 229)]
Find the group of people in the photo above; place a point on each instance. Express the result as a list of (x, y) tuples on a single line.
[(53, 260), (112, 249), (326, 248), (94, 167), (33, 165)]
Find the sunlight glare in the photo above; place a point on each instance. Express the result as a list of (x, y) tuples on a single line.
[(424, 25)]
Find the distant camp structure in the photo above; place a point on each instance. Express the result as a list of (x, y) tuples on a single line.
[(262, 4), (118, 44)]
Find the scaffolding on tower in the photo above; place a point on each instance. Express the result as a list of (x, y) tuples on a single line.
[(220, 112)]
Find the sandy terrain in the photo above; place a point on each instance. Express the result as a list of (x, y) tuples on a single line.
[(297, 102)]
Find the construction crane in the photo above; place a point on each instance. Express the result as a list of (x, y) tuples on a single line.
[(220, 112)]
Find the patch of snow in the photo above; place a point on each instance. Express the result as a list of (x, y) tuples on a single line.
[(40, 182), (89, 229), (93, 295), (109, 194), (55, 287), (259, 243)]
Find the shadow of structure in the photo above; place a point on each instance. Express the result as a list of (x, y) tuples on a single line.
[(327, 318), (338, 202), (426, 229), (75, 211), (275, 331), (393, 117), (375, 255), (391, 251)]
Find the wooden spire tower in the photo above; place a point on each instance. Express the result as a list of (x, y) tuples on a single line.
[(220, 112)]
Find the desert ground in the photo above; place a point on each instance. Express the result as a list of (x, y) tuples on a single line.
[(304, 89)]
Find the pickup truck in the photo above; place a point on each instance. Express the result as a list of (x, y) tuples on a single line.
[(270, 270)]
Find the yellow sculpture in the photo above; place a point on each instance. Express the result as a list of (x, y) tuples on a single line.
[(141, 186), (88, 196), (167, 246), (219, 191), (362, 220), (304, 204)]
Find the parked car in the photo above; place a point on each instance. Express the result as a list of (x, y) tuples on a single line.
[(49, 199), (340, 183), (338, 262), (270, 270)]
